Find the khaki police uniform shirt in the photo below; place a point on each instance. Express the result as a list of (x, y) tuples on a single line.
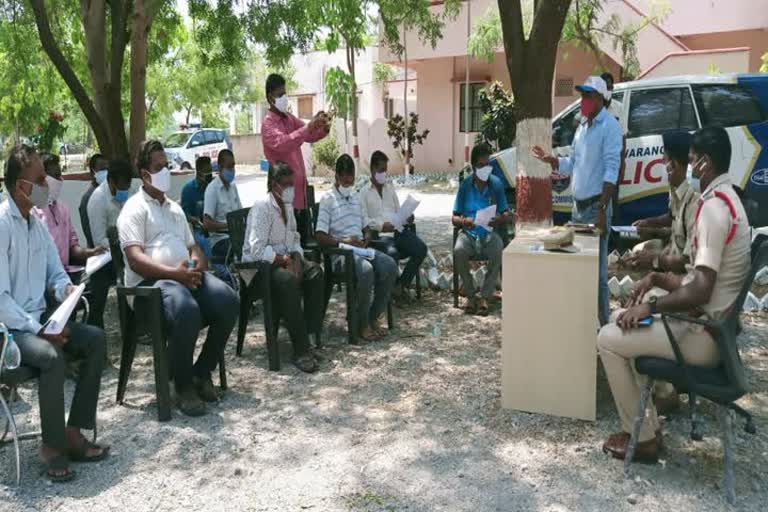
[(711, 248), (683, 203)]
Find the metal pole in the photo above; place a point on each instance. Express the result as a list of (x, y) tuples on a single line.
[(466, 89), (407, 169)]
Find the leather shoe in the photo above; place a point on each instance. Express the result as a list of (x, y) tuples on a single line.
[(647, 451)]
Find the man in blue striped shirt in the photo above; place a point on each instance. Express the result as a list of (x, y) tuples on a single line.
[(340, 220), (594, 166)]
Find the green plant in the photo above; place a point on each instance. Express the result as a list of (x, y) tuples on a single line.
[(383, 73), (339, 86), (325, 152), (498, 123), (47, 133), (764, 67), (404, 138)]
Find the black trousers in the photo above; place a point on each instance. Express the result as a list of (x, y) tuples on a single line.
[(99, 285), (302, 224)]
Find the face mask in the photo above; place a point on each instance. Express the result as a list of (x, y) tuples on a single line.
[(587, 106), (54, 189), (693, 181), (483, 173), (380, 177), (346, 191), (161, 180), (121, 196), (38, 195), (228, 175), (101, 176), (288, 195), (281, 103)]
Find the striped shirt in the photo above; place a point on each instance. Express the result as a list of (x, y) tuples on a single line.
[(339, 216)]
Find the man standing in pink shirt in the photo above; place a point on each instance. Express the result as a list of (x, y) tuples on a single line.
[(282, 134)]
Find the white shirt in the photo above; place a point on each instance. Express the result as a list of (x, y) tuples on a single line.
[(161, 230), (218, 202), (378, 209), (339, 216), (103, 211), (267, 235)]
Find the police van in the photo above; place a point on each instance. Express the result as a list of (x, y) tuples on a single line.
[(648, 108), (183, 148)]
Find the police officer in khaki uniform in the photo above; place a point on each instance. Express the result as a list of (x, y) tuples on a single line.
[(683, 201), (720, 252)]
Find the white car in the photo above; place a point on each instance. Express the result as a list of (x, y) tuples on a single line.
[(183, 148), (73, 157)]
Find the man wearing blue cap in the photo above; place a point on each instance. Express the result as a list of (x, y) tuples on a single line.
[(594, 166)]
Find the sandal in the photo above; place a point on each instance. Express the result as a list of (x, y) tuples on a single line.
[(80, 454), (482, 307), (55, 466), (471, 307)]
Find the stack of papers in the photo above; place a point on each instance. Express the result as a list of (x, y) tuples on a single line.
[(626, 231), (94, 263), (60, 317), (406, 210), (368, 254), (483, 217)]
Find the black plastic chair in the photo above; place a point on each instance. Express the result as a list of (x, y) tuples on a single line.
[(149, 321), (399, 258), (722, 385), (255, 289)]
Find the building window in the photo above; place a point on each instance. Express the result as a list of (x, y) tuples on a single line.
[(389, 108), (564, 87), (305, 107), (474, 111)]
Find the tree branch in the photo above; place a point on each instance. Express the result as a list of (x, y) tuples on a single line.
[(511, 16)]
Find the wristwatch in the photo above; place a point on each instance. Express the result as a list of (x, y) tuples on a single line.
[(652, 303)]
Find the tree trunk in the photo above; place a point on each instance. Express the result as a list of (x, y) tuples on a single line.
[(141, 23), (531, 66), (353, 109)]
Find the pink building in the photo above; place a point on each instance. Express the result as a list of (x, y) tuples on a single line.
[(696, 37)]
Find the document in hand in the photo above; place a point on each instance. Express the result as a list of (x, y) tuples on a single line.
[(483, 217), (626, 231), (368, 254), (59, 318), (406, 210), (94, 263)]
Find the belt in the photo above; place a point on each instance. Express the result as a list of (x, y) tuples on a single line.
[(582, 204)]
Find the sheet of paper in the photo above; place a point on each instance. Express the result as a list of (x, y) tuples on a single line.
[(59, 318), (94, 263), (406, 210), (624, 229), (484, 216), (368, 254)]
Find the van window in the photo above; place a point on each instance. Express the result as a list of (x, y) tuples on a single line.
[(212, 137), (727, 105), (564, 129), (655, 111), (197, 140)]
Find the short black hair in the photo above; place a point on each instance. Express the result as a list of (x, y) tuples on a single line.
[(92, 161), (202, 161), (479, 151), (223, 153), (276, 172), (345, 165), (378, 157), (49, 160), (713, 141), (274, 81), (145, 153), (119, 169), (608, 77), (19, 158), (677, 143)]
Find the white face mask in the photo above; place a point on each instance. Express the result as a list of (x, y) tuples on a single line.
[(288, 195), (380, 177), (54, 189), (346, 191), (693, 181), (161, 180), (483, 173), (281, 103), (101, 176), (38, 195)]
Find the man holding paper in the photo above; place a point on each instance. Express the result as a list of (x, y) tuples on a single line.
[(340, 222), (480, 206), (31, 265), (383, 214)]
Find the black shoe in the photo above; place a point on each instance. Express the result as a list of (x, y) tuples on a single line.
[(190, 404), (205, 389), (306, 363)]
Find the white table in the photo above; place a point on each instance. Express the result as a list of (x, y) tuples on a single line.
[(549, 328)]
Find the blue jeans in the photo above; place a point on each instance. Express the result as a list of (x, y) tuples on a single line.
[(203, 242), (589, 216), (406, 244)]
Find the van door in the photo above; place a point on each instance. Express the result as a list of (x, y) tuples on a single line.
[(643, 188)]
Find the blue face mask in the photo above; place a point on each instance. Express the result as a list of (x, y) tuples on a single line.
[(228, 175), (121, 196)]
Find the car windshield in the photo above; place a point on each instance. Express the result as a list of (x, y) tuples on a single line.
[(176, 140)]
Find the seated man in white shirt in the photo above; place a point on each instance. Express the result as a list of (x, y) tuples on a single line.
[(221, 197), (160, 251), (340, 220), (380, 206), (271, 235), (103, 209)]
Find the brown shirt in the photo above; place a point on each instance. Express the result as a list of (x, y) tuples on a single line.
[(720, 246)]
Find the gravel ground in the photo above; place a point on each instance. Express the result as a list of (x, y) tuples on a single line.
[(410, 423)]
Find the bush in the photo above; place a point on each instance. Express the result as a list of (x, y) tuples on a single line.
[(325, 152), (497, 126)]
